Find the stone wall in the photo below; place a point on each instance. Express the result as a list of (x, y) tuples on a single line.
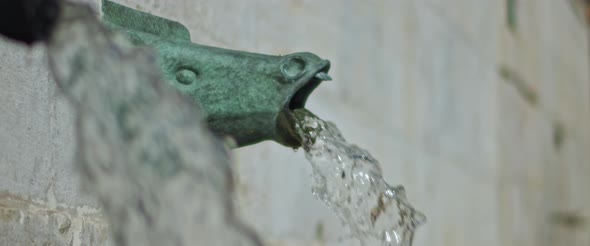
[(485, 123)]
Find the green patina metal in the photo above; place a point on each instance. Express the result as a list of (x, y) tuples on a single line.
[(244, 95)]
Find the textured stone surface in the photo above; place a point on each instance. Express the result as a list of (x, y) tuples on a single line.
[(23, 222), (415, 82), (36, 131)]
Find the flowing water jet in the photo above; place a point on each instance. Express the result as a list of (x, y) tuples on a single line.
[(350, 181)]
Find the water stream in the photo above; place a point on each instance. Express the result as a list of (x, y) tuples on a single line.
[(350, 181)]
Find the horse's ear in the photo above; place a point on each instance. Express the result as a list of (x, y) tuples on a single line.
[(129, 19)]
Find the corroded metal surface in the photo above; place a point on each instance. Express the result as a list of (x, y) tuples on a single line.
[(243, 95)]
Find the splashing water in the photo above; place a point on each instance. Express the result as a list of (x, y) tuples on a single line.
[(350, 181), (162, 178)]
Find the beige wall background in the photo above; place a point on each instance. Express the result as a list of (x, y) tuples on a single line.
[(487, 126)]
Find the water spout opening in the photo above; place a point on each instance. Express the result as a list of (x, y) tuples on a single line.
[(286, 121), (300, 97)]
